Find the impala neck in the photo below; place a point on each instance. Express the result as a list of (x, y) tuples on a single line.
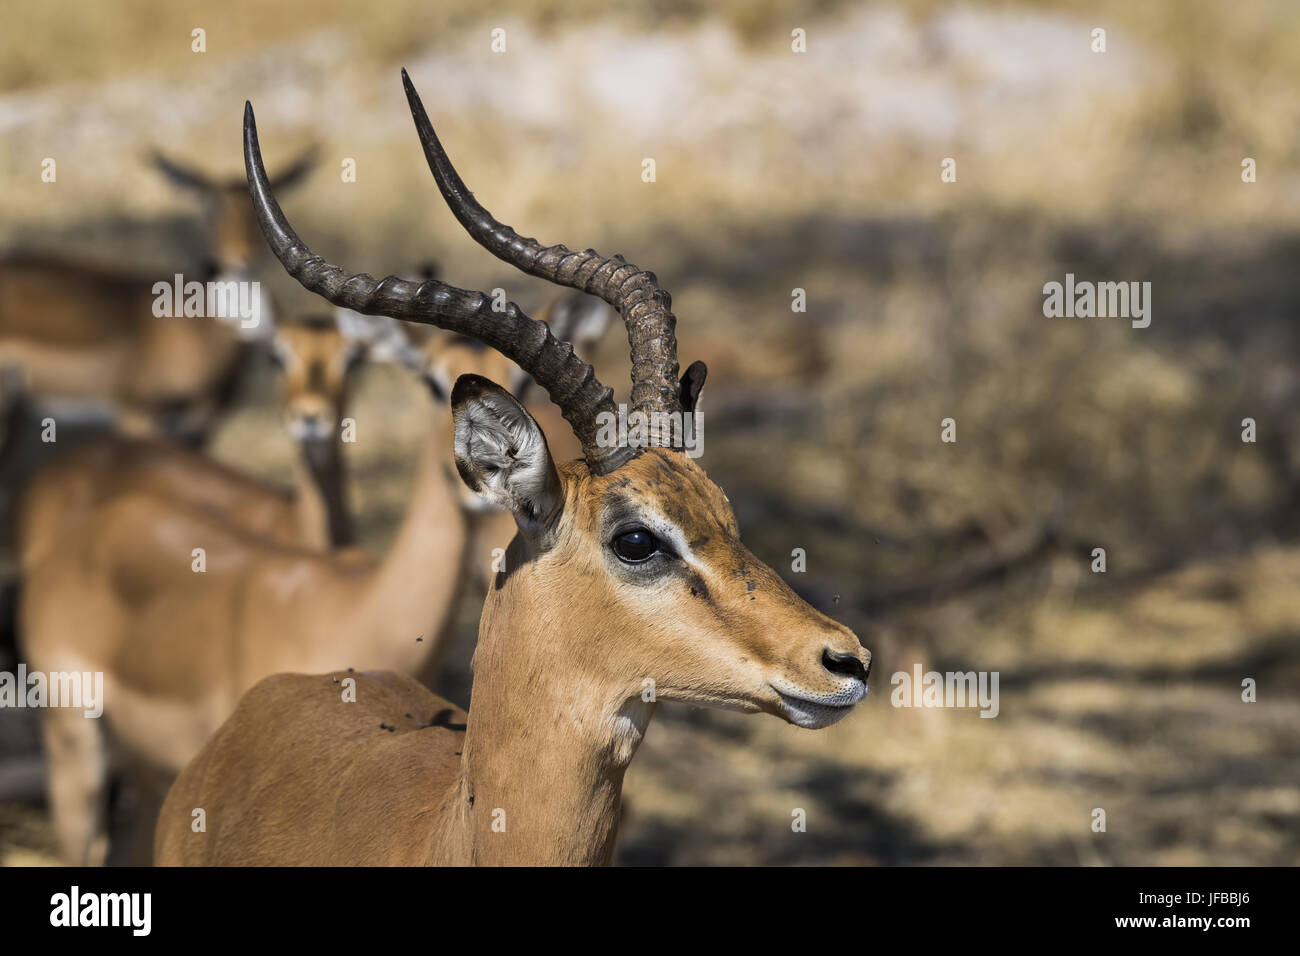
[(321, 501), (412, 591), (545, 744)]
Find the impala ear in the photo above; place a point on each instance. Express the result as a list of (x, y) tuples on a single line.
[(185, 177), (280, 351), (259, 325), (383, 337), (691, 385), (580, 319), (295, 172), (577, 318), (501, 454)]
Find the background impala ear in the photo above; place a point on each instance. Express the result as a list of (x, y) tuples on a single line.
[(580, 319), (501, 454), (576, 318), (691, 385), (384, 338), (185, 177), (295, 172)]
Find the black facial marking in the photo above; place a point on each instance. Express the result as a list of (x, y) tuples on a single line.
[(698, 587)]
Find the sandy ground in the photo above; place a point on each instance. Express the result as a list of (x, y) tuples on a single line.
[(1119, 691)]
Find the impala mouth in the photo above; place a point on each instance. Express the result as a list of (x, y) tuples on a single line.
[(815, 711)]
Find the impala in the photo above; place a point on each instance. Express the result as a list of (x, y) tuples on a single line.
[(86, 337), (178, 646), (627, 584), (316, 358)]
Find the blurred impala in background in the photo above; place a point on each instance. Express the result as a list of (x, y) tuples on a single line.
[(857, 207)]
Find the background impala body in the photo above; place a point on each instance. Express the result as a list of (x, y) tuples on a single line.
[(626, 584), (178, 646), (85, 336), (316, 359)]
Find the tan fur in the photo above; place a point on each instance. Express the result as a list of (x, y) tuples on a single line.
[(315, 375), (89, 336), (446, 358), (64, 492), (566, 644), (177, 647), (87, 333)]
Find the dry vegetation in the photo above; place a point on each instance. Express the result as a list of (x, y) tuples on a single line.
[(1119, 691)]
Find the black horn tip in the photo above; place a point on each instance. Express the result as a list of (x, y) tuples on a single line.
[(423, 126), (418, 112), (252, 151)]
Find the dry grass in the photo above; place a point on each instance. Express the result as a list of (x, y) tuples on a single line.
[(1119, 691)]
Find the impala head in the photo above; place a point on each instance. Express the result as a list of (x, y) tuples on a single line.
[(640, 574), (316, 356), (315, 361), (233, 238), (628, 565)]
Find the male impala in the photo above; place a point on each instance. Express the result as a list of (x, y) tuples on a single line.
[(86, 337), (627, 583)]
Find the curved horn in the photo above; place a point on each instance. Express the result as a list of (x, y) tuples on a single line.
[(298, 170), (570, 382), (646, 308)]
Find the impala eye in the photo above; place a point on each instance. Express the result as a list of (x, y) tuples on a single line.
[(636, 546)]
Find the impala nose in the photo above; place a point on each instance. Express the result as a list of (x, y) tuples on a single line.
[(845, 664)]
